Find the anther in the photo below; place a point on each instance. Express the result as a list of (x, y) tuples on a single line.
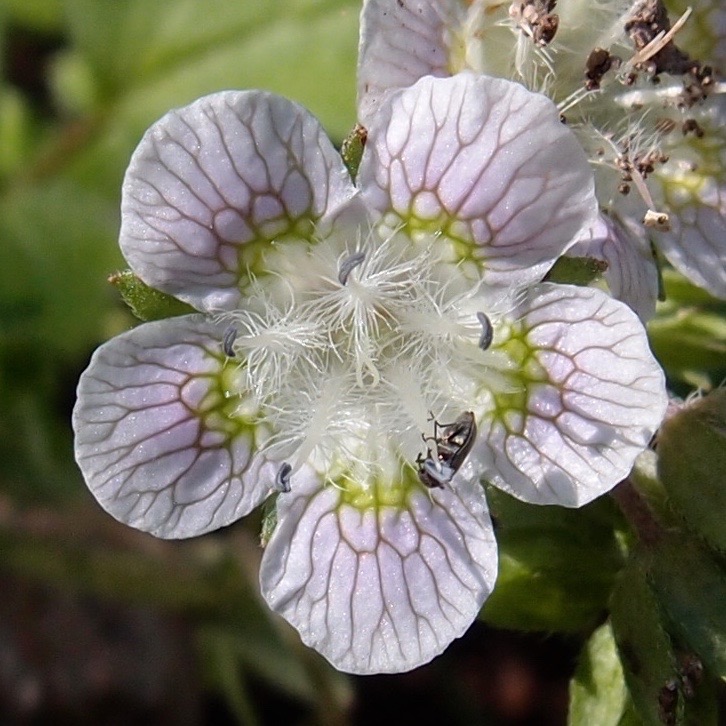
[(228, 341), (487, 331), (348, 265), (282, 480), (657, 220)]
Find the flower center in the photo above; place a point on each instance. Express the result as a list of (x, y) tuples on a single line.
[(352, 344)]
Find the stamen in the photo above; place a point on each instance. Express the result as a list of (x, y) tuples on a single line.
[(228, 341), (660, 41), (348, 265), (577, 96), (487, 332), (657, 220), (282, 480), (653, 218)]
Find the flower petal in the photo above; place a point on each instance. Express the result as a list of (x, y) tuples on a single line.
[(381, 589), (400, 43), (485, 164), (155, 436), (694, 188), (632, 273), (209, 180), (696, 244), (585, 401)]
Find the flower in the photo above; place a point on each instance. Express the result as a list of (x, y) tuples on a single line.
[(649, 116), (334, 320)]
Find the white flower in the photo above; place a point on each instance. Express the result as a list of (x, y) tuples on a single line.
[(333, 319), (650, 118)]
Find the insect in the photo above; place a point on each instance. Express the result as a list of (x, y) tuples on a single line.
[(432, 472), (453, 443)]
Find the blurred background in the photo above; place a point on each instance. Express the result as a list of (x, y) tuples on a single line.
[(103, 625)]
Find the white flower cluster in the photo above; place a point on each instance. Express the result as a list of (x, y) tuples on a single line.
[(650, 116)]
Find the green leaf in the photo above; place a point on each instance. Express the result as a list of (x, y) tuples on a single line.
[(251, 646), (35, 445), (556, 565), (645, 647), (145, 302), (224, 675), (690, 340), (691, 586), (688, 334), (681, 292), (692, 465), (598, 694), (58, 245), (150, 57)]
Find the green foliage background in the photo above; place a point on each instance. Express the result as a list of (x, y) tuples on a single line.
[(80, 81)]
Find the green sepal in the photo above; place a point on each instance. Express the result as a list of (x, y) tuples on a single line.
[(576, 270), (269, 519), (692, 465), (556, 565), (145, 302), (645, 648), (690, 584), (598, 694), (352, 149)]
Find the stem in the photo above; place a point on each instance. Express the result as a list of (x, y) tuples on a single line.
[(639, 515)]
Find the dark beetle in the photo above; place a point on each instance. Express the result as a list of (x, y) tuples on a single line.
[(453, 443)]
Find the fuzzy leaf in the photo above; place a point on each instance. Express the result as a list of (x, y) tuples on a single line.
[(692, 465), (691, 587), (145, 302), (645, 647)]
